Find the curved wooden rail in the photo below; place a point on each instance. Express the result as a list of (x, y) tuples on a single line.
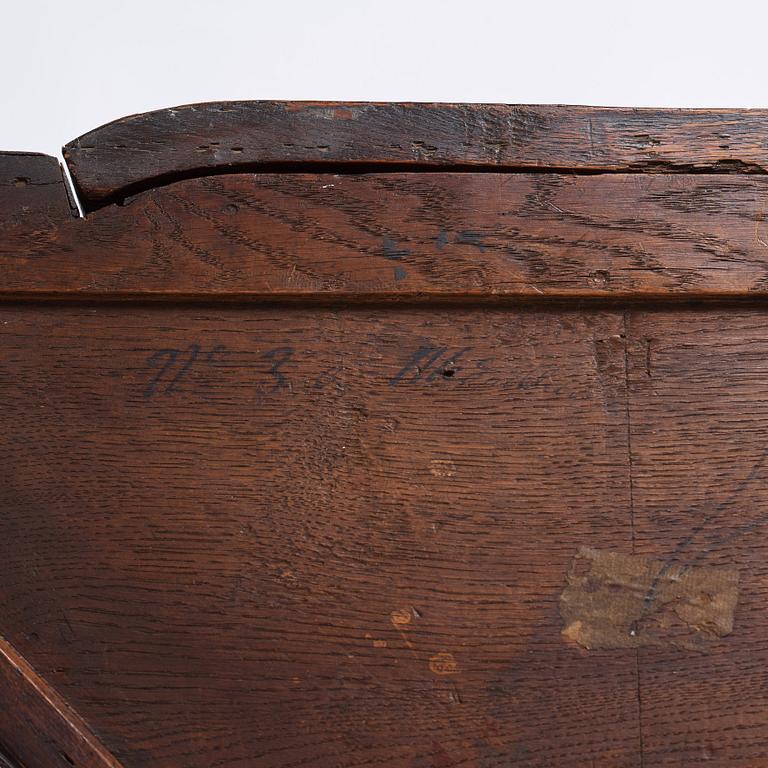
[(145, 150)]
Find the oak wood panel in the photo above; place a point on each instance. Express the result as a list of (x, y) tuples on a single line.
[(287, 536), (699, 417), (338, 530), (41, 726), (408, 236), (146, 149)]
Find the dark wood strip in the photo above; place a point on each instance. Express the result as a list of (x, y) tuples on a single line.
[(146, 149), (37, 726), (406, 236), (7, 762), (32, 191)]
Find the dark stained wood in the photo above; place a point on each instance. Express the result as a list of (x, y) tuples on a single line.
[(141, 150), (407, 236), (425, 466), (41, 726), (6, 762), (32, 191)]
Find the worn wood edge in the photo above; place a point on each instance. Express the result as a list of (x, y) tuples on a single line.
[(34, 185), (28, 168), (141, 151), (39, 728), (402, 300)]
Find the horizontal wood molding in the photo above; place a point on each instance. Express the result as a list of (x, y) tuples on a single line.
[(405, 237), (33, 189), (143, 150)]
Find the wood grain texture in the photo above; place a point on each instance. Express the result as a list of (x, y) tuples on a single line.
[(330, 537), (6, 762), (33, 192), (41, 727), (146, 149), (407, 236), (454, 461), (699, 416)]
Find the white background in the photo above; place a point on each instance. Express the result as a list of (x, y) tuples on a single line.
[(70, 65)]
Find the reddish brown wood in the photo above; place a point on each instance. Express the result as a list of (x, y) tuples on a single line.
[(41, 726), (142, 150), (407, 236), (307, 468)]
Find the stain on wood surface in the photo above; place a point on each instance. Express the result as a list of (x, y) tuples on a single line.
[(34, 194), (615, 600)]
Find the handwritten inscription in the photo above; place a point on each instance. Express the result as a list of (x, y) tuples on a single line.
[(197, 368), (429, 363), (164, 362), (279, 357), (172, 367)]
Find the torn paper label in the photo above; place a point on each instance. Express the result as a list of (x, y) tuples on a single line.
[(615, 600)]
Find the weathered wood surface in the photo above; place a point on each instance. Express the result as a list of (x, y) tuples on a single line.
[(32, 191), (142, 150), (290, 537), (358, 479), (407, 236)]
